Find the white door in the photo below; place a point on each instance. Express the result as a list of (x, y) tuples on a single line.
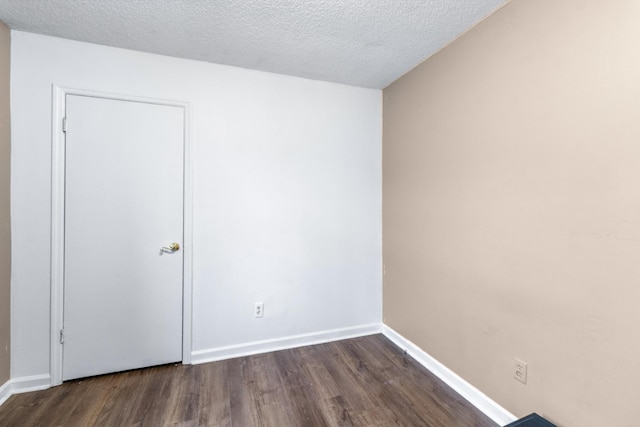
[(123, 203)]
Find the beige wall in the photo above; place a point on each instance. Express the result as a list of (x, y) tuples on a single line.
[(512, 208), (5, 233)]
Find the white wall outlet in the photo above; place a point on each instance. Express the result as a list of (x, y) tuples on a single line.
[(258, 310), (520, 370)]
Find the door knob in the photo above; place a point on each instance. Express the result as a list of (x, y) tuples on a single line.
[(171, 248)]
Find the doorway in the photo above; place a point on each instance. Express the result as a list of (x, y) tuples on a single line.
[(123, 300)]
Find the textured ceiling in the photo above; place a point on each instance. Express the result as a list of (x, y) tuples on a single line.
[(366, 43)]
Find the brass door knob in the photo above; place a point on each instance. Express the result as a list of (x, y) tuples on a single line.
[(171, 248)]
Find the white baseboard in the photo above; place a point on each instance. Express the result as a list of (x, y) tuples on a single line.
[(24, 385), (478, 399), (292, 341), (5, 392)]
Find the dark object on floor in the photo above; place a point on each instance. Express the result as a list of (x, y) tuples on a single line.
[(533, 420)]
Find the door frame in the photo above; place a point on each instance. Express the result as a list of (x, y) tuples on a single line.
[(59, 94)]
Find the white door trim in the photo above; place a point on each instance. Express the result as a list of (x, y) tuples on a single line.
[(57, 220)]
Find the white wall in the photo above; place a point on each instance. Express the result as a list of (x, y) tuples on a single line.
[(287, 192)]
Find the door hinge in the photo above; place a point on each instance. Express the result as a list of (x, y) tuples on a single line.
[(64, 124), (61, 336)]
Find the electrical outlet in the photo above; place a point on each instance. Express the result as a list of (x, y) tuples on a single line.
[(520, 370), (258, 310)]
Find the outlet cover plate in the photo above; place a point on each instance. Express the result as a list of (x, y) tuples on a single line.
[(258, 310), (520, 370)]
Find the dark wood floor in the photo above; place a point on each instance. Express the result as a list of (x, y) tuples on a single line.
[(359, 382)]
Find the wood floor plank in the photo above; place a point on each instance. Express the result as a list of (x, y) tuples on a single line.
[(396, 398), (303, 400), (184, 402), (91, 400), (337, 412), (215, 409), (356, 394), (365, 382), (151, 409), (245, 409)]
